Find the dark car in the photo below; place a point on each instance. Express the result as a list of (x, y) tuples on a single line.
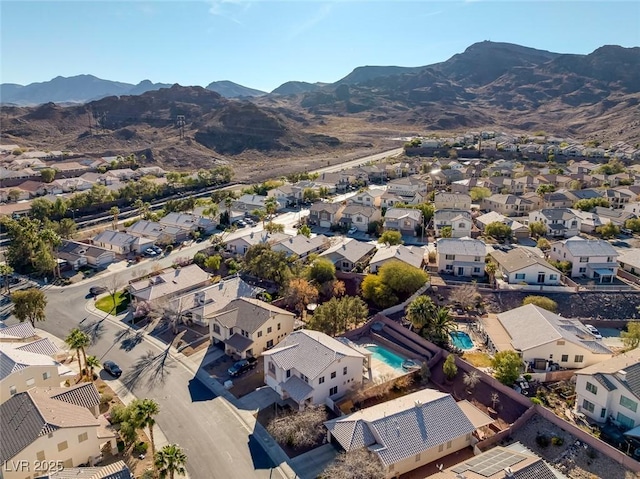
[(242, 366), (96, 290), (112, 368)]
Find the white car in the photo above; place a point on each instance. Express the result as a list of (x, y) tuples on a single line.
[(352, 230), (593, 330)]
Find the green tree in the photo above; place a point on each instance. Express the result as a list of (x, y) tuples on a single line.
[(498, 230), (272, 227), (631, 337), (213, 262), (441, 325), (6, 271), (449, 368), (478, 193), (420, 311), (542, 302), (471, 379), (608, 231), (537, 229), (66, 228), (446, 232), (271, 205), (338, 315), (78, 341), (261, 261), (41, 209), (391, 238), (114, 212), (321, 271), (170, 460), (543, 244), (402, 278), (29, 304), (591, 203), (47, 174), (633, 225), (491, 269), (144, 412), (92, 363), (374, 289), (544, 189), (507, 366), (304, 230)]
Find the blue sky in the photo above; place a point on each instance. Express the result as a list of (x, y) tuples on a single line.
[(261, 44)]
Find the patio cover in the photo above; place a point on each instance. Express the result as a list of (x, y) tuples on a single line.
[(297, 389), (603, 271), (635, 432), (238, 342)]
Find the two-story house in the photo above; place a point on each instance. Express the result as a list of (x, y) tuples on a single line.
[(459, 221), (157, 232), (611, 390), (508, 205), (188, 222), (461, 256), (350, 254), (521, 265), (359, 216), (310, 366), (248, 327), (560, 222), (168, 284), (407, 187), (518, 230), (407, 221), (370, 197), (451, 201), (594, 259), (325, 214)]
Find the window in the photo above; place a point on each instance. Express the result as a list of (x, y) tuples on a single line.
[(584, 259), (333, 375), (553, 276), (304, 378), (333, 390), (476, 270), (450, 257), (418, 457), (345, 264), (279, 325), (625, 421), (83, 437), (448, 444), (259, 334), (477, 259), (560, 342), (461, 225), (62, 446), (520, 275), (12, 390), (321, 380), (269, 329), (288, 372), (603, 412), (270, 343), (609, 259), (565, 358), (344, 371), (578, 358), (272, 369), (40, 455), (582, 270), (587, 406), (592, 388), (449, 267), (441, 448), (628, 403), (31, 382), (46, 375)]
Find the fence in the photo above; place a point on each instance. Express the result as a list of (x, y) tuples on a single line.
[(533, 287), (400, 307)]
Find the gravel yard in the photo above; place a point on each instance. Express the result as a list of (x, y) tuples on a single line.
[(574, 461)]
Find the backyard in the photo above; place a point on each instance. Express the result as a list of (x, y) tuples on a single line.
[(106, 303)]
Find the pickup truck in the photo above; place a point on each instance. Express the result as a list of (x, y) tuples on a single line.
[(242, 366)]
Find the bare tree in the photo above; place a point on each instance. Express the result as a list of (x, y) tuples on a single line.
[(356, 464), (171, 311), (299, 429), (471, 379), (466, 296), (113, 283)]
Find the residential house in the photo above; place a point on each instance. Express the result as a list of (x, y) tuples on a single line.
[(389, 200), (560, 222), (248, 327), (437, 179), (372, 174), (53, 424), (508, 205), (618, 198), (117, 470), (451, 201), (459, 221), (410, 431), (370, 197), (121, 174), (171, 282), (518, 229), (250, 203), (157, 232), (189, 222), (407, 221), (461, 256), (21, 332), (521, 265), (629, 261), (411, 255), (286, 194), (13, 194), (309, 367), (81, 254), (543, 338), (407, 187), (33, 188), (325, 214), (611, 390), (557, 199), (359, 217), (616, 216), (117, 241), (350, 254), (301, 246), (242, 244), (594, 259), (200, 304)]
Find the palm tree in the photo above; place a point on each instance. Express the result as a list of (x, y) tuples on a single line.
[(170, 460), (491, 268), (442, 324), (420, 311), (471, 379), (114, 211), (6, 271), (271, 205), (211, 211), (144, 413), (92, 362), (78, 341)]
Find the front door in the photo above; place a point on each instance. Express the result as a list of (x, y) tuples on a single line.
[(540, 277), (460, 271)]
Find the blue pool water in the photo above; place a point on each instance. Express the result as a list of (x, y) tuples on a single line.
[(388, 357), (461, 340)]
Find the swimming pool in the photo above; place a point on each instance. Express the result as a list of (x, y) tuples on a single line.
[(386, 356), (461, 340)]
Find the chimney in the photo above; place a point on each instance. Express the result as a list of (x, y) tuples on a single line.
[(622, 375)]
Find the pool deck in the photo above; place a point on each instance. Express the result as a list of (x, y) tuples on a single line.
[(380, 369)]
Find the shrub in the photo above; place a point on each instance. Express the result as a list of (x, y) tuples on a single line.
[(140, 448), (542, 440), (105, 399), (537, 401), (542, 302), (298, 429), (557, 441), (403, 382)]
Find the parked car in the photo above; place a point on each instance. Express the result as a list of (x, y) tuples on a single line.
[(626, 231), (96, 290), (352, 230), (157, 249), (242, 366), (112, 368), (149, 252), (239, 223), (594, 331)]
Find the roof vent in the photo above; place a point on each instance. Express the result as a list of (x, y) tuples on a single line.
[(418, 403), (622, 375), (508, 472)]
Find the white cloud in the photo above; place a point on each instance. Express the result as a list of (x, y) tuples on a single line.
[(323, 12)]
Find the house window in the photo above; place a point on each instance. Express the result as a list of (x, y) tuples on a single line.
[(476, 270), (578, 358), (40, 455), (553, 277), (477, 259), (450, 257), (582, 270), (31, 382), (609, 259), (344, 371), (333, 375), (216, 329), (288, 372), (321, 380), (83, 437), (304, 378), (565, 358), (12, 390), (587, 406), (259, 334), (418, 457), (441, 448), (270, 343), (592, 388), (269, 329), (449, 267), (279, 325), (628, 403), (603, 412), (272, 369), (461, 225), (520, 275), (333, 390), (62, 446), (625, 421), (560, 342), (46, 375), (448, 444), (345, 264), (584, 259)]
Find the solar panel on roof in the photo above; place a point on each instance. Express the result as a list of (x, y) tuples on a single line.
[(490, 463)]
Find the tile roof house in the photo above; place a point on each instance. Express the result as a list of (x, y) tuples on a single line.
[(518, 229), (542, 337), (370, 197), (522, 266), (405, 220), (359, 216), (594, 259), (248, 327), (189, 222), (408, 186), (301, 246), (116, 241), (629, 260), (52, 424), (80, 254), (250, 203), (461, 256), (171, 282), (560, 222), (459, 221), (611, 389), (508, 205), (158, 232), (350, 253), (117, 470), (310, 366), (242, 244), (452, 201), (410, 431), (325, 214), (411, 255), (17, 332)]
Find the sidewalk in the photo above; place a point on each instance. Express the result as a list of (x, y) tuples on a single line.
[(245, 417), (122, 392)]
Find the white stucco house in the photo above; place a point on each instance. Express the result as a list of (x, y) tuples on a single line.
[(522, 265), (594, 259), (461, 256), (560, 222), (310, 366), (459, 221)]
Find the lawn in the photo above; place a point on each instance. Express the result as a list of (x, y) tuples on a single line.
[(106, 303), (479, 360)]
